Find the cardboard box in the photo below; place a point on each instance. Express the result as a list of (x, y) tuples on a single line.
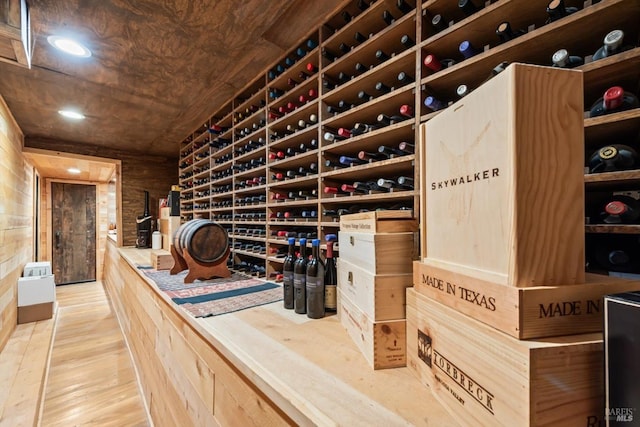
[(35, 312), (161, 260), (380, 296), (379, 253), (502, 190), (168, 227), (36, 290), (534, 312), (37, 269), (383, 343), (487, 378)]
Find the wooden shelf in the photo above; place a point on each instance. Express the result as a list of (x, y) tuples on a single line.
[(614, 229), (247, 253), (301, 183), (251, 173), (619, 179), (253, 239), (301, 136), (290, 203), (302, 159)]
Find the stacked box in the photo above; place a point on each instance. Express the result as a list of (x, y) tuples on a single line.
[(161, 260), (374, 269), (502, 219), (168, 227), (36, 297)]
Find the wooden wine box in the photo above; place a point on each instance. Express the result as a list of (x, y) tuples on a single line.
[(161, 260), (391, 221), (380, 296), (383, 343), (525, 313), (379, 253), (487, 378), (503, 180), (168, 227)]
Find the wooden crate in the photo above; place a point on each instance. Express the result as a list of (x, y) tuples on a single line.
[(393, 221), (380, 296), (484, 377), (535, 312), (168, 227), (383, 343), (161, 260), (503, 180), (379, 253)]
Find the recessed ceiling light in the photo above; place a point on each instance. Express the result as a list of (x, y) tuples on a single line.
[(70, 114), (73, 170), (69, 46)]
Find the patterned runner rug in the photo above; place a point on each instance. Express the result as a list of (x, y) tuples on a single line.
[(205, 298)]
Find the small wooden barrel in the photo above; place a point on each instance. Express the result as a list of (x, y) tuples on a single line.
[(205, 240)]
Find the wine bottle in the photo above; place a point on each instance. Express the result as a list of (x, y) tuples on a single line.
[(315, 283), (432, 63), (434, 104), (347, 188), (467, 7), (332, 137), (406, 110), (616, 157), (388, 18), (407, 41), (404, 78), (467, 49), (403, 6), (382, 88), (300, 52), (614, 252), (344, 48), (326, 53), (360, 68), (330, 276), (381, 56), (406, 147), (350, 161), (439, 22), (335, 109), (287, 271), (557, 10), (311, 67), (621, 210), (390, 151), (615, 99), (612, 45), (562, 59), (506, 33), (299, 279), (311, 44), (362, 5), (462, 90), (359, 37), (406, 182), (384, 120), (367, 156)]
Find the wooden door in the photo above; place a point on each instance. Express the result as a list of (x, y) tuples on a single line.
[(73, 232)]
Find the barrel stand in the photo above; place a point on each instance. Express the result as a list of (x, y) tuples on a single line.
[(197, 269)]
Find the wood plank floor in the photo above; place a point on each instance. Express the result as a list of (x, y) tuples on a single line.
[(91, 378)]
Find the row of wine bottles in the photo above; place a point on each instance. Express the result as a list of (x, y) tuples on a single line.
[(296, 214), (250, 247), (309, 284), (381, 185)]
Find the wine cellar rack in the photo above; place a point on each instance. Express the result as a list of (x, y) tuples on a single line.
[(261, 166)]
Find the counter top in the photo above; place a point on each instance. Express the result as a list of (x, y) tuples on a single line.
[(310, 368)]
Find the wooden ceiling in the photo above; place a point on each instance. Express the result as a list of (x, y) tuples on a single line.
[(159, 68), (52, 164)]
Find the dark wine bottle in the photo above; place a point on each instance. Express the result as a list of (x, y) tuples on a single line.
[(328, 54), (439, 22), (403, 6), (432, 63), (406, 147), (612, 45), (315, 283), (562, 59), (557, 10), (406, 182), (362, 5), (621, 210), (434, 104), (388, 18), (381, 55), (614, 252), (349, 161), (617, 157), (615, 99), (287, 269), (359, 37), (367, 156), (467, 49), (462, 90), (330, 276), (407, 41), (405, 78), (300, 279), (467, 7), (506, 33), (390, 151)]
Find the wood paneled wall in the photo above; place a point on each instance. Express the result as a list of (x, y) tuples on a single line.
[(16, 218), (139, 173)]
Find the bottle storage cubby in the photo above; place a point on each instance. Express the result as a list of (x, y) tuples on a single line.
[(331, 127)]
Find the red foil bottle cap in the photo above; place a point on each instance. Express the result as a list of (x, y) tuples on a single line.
[(432, 62), (615, 208), (613, 97), (406, 110)]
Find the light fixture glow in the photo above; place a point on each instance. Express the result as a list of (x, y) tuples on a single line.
[(73, 170), (71, 114), (69, 46)]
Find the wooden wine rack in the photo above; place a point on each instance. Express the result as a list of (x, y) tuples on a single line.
[(252, 206)]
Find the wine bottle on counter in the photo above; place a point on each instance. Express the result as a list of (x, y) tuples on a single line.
[(330, 276), (562, 59), (613, 44), (621, 210), (612, 158), (299, 279), (615, 99), (315, 283), (557, 10)]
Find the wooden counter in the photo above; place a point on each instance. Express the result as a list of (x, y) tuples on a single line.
[(261, 366)]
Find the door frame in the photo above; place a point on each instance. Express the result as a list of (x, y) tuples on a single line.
[(98, 219)]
